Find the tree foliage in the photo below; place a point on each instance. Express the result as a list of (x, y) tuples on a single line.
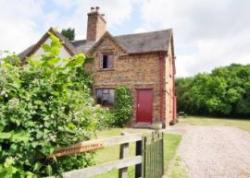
[(69, 33), (223, 92), (44, 105)]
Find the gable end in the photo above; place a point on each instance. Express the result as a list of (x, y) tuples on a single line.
[(32, 49), (98, 43)]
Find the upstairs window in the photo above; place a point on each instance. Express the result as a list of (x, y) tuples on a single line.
[(106, 61), (105, 97)]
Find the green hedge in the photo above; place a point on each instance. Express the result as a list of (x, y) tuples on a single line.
[(44, 105), (123, 106)]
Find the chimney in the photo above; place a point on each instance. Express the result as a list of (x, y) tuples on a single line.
[(96, 24)]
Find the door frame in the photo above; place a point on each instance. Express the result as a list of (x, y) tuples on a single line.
[(137, 90)]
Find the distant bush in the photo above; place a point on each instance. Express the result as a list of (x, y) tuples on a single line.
[(69, 33), (123, 106), (223, 92), (44, 105)]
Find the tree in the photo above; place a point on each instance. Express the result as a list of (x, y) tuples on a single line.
[(223, 92), (69, 33)]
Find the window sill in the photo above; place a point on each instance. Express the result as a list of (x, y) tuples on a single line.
[(102, 70), (109, 106)]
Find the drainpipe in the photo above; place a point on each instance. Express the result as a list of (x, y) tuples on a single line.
[(162, 68), (174, 92)]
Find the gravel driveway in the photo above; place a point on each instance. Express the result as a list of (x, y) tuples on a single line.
[(215, 151)]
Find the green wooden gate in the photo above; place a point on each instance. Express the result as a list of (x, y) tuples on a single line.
[(153, 158)]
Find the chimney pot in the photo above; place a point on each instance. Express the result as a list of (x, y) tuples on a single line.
[(96, 26)]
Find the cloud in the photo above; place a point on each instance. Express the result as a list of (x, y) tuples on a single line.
[(24, 21), (18, 25), (140, 30), (115, 11), (208, 33)]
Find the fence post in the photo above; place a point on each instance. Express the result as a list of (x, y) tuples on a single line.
[(162, 150), (145, 157), (124, 152), (138, 151)]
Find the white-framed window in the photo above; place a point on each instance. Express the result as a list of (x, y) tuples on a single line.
[(105, 96), (106, 61)]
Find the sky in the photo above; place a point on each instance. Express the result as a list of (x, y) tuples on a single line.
[(207, 33)]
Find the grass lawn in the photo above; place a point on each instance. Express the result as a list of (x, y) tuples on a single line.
[(240, 123), (112, 153), (173, 164), (171, 142), (178, 170)]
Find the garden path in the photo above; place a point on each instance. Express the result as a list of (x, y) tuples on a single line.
[(214, 151)]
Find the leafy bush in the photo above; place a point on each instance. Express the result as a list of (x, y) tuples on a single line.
[(123, 106), (44, 105), (106, 118)]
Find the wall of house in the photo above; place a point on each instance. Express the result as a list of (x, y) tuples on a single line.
[(133, 71), (169, 86), (63, 53)]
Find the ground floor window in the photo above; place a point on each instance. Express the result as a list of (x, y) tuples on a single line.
[(105, 96)]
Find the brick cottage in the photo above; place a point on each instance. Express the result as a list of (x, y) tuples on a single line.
[(144, 62)]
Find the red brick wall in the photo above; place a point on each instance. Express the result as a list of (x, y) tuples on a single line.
[(169, 86), (135, 71)]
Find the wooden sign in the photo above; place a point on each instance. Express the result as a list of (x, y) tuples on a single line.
[(77, 148), (92, 145)]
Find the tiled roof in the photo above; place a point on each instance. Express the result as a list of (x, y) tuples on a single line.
[(133, 43), (145, 42), (83, 45)]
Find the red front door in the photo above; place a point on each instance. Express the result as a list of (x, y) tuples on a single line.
[(144, 106)]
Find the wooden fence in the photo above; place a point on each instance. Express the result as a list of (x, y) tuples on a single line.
[(148, 160)]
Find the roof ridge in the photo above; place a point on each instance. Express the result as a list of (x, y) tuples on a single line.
[(142, 33)]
